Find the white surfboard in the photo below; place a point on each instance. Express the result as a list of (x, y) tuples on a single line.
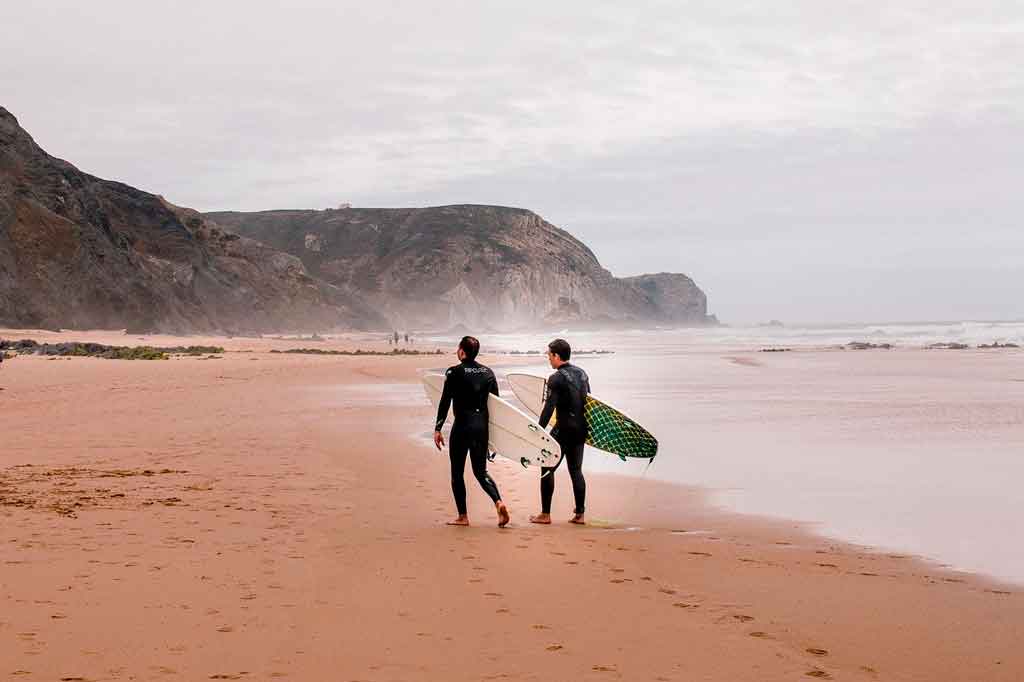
[(608, 428), (512, 433)]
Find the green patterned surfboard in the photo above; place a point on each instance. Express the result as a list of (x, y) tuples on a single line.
[(609, 429)]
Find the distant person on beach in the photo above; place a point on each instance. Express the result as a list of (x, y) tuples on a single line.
[(566, 391), (467, 385)]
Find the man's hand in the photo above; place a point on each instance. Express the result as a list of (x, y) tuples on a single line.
[(438, 440)]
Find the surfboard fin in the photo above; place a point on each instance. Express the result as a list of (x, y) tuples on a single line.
[(525, 462), (491, 456), (622, 457)]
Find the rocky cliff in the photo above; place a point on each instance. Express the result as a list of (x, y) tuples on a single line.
[(78, 251), (483, 267)]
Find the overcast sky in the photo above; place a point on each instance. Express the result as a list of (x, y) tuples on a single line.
[(806, 161)]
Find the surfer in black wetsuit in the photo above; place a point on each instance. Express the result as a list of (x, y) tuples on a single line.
[(566, 392), (467, 385)]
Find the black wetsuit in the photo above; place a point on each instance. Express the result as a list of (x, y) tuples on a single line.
[(467, 385), (566, 391)]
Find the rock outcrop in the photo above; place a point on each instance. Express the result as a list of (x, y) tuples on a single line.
[(78, 251), (675, 298), (483, 267)]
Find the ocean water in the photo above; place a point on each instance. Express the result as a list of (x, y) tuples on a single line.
[(910, 449)]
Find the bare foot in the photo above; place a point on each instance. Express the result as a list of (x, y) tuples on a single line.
[(541, 518), (503, 517), (460, 520), (578, 520)]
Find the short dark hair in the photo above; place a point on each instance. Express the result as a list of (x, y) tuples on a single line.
[(470, 346), (560, 347)]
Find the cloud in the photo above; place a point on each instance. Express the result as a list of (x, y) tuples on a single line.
[(704, 124)]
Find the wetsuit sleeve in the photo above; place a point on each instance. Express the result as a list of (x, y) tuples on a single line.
[(446, 401), (554, 388), (494, 385)]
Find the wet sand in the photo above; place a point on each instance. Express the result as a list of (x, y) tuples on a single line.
[(220, 519)]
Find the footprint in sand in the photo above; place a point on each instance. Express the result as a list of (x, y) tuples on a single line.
[(761, 635), (665, 590), (820, 674), (742, 618), (604, 669), (817, 652), (493, 594), (538, 626), (618, 570), (553, 647), (700, 553), (684, 605)]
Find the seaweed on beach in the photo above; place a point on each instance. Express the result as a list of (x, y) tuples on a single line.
[(99, 350)]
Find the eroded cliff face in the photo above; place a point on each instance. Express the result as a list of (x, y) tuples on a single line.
[(483, 267), (675, 297), (77, 251)]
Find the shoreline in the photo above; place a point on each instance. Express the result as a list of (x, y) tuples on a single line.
[(503, 361), (280, 535)]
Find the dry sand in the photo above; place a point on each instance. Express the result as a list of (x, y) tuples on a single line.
[(251, 518)]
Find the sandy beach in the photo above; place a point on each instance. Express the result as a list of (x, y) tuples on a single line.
[(266, 516)]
